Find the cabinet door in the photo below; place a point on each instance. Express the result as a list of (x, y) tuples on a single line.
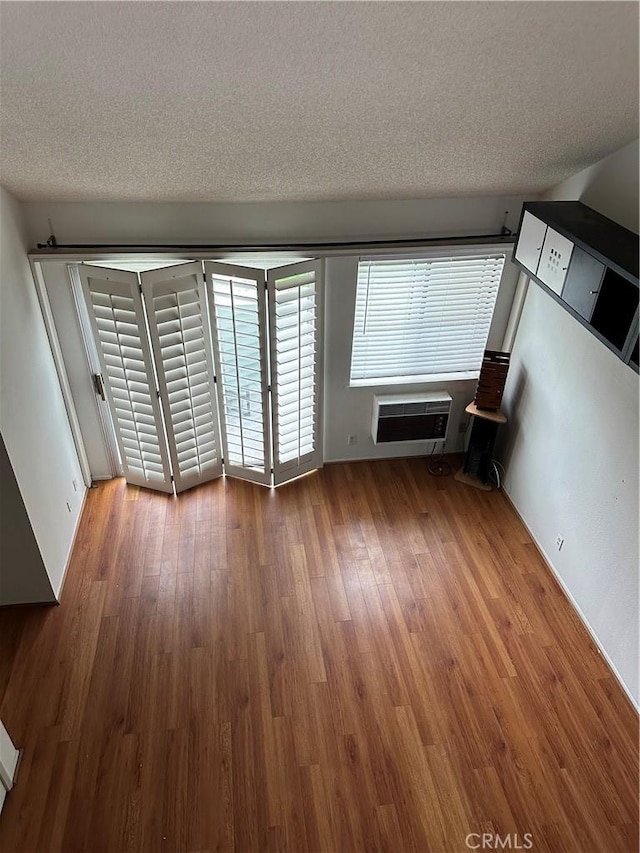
[(554, 260), (530, 241), (582, 284)]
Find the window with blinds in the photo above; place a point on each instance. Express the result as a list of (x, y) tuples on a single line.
[(424, 317)]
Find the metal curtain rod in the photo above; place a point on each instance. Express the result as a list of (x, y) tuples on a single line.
[(505, 236)]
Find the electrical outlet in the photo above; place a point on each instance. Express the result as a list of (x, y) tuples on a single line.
[(352, 439), (75, 485), (69, 506), (559, 542)]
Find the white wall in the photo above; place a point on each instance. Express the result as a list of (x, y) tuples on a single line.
[(8, 758), (33, 419), (571, 450), (56, 280), (607, 186), (141, 223), (8, 762), (23, 576)]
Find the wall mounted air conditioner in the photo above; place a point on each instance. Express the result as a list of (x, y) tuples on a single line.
[(410, 417)]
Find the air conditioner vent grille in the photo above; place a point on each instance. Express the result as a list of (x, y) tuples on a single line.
[(395, 410)]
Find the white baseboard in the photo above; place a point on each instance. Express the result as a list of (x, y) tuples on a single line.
[(572, 601), (58, 592)]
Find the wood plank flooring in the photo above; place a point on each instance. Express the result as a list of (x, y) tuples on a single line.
[(367, 659)]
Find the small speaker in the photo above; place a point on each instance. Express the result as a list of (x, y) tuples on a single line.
[(491, 382)]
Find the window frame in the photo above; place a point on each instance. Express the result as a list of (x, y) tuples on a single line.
[(499, 319)]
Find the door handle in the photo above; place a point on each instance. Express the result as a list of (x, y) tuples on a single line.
[(98, 384)]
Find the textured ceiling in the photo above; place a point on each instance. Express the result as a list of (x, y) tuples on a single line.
[(289, 101)]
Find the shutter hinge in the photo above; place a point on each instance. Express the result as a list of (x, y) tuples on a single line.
[(98, 385)]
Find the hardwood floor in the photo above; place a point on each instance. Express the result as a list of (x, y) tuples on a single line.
[(369, 658)]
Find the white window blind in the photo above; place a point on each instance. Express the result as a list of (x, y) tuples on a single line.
[(295, 316), (423, 317)]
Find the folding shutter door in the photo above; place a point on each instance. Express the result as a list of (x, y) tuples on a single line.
[(238, 320), (179, 323), (117, 318), (295, 333)]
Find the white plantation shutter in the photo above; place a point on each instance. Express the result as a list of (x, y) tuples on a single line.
[(238, 321), (179, 323), (423, 317), (117, 319), (295, 333)]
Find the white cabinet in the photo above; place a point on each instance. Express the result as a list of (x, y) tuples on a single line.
[(589, 265), (554, 260), (530, 242)]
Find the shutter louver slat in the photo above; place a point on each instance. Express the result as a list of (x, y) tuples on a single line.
[(423, 317)]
